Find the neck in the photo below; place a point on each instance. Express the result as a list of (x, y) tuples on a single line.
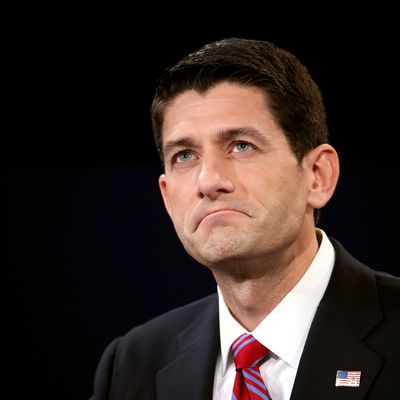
[(251, 298)]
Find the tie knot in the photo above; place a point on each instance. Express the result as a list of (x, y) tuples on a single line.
[(247, 351)]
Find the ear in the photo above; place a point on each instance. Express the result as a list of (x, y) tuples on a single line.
[(162, 182), (322, 164)]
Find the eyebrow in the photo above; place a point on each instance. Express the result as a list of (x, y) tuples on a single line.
[(233, 133), (221, 136), (173, 144)]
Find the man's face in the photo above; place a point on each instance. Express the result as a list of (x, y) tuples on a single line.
[(232, 186)]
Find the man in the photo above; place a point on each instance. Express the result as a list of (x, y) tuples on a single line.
[(241, 129)]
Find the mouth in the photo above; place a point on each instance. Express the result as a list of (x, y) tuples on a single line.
[(220, 210), (216, 213)]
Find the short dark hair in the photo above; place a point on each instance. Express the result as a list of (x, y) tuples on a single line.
[(292, 96)]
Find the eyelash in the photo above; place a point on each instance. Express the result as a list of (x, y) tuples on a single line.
[(175, 157)]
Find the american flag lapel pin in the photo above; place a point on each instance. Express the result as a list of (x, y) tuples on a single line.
[(348, 378)]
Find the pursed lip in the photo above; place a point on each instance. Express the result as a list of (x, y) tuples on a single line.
[(205, 214)]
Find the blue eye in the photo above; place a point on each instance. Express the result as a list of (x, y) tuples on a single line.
[(184, 156), (241, 147)]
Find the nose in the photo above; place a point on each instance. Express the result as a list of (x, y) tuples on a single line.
[(214, 178)]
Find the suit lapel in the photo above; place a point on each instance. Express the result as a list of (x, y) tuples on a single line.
[(191, 374), (348, 311)]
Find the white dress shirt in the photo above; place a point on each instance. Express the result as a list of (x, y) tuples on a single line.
[(283, 331)]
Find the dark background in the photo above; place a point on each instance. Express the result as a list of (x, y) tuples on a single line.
[(90, 249)]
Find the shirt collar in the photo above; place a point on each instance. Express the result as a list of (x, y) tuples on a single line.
[(285, 329)]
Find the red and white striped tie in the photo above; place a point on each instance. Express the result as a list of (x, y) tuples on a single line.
[(248, 353)]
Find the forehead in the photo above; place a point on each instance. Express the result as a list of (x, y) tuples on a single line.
[(226, 105)]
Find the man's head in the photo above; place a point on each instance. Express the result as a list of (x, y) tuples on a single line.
[(241, 129), (291, 94)]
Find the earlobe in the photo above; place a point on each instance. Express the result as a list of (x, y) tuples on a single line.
[(162, 183), (323, 164)]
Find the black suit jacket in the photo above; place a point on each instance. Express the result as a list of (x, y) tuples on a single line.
[(356, 327)]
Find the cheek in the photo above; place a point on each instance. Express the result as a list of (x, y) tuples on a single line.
[(280, 195), (181, 194), (294, 199), (179, 207)]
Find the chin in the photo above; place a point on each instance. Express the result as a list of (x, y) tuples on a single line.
[(221, 249)]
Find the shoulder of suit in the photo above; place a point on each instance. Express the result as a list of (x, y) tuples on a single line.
[(387, 285), (154, 339), (173, 321)]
